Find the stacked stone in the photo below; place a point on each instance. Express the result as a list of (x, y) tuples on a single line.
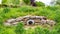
[(30, 20)]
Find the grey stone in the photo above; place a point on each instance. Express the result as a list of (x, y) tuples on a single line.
[(35, 19), (51, 22), (11, 20)]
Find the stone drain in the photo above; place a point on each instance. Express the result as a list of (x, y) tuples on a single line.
[(30, 20)]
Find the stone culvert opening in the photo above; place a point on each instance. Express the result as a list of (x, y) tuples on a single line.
[(30, 22)]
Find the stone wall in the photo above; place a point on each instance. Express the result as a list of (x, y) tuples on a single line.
[(31, 20)]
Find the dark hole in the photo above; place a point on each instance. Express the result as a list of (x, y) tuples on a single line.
[(30, 22)]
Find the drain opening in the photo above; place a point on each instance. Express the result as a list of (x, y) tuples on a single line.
[(30, 22)]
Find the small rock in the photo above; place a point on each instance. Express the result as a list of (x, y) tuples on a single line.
[(51, 22), (43, 21), (19, 19), (7, 24), (11, 20)]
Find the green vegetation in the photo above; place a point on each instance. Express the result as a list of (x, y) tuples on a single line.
[(58, 2), (26, 1), (40, 4), (16, 2), (19, 28), (6, 13), (50, 12)]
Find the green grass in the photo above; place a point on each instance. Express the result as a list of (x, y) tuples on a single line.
[(52, 13)]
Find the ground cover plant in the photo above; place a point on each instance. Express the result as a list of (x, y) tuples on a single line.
[(6, 13), (50, 12)]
